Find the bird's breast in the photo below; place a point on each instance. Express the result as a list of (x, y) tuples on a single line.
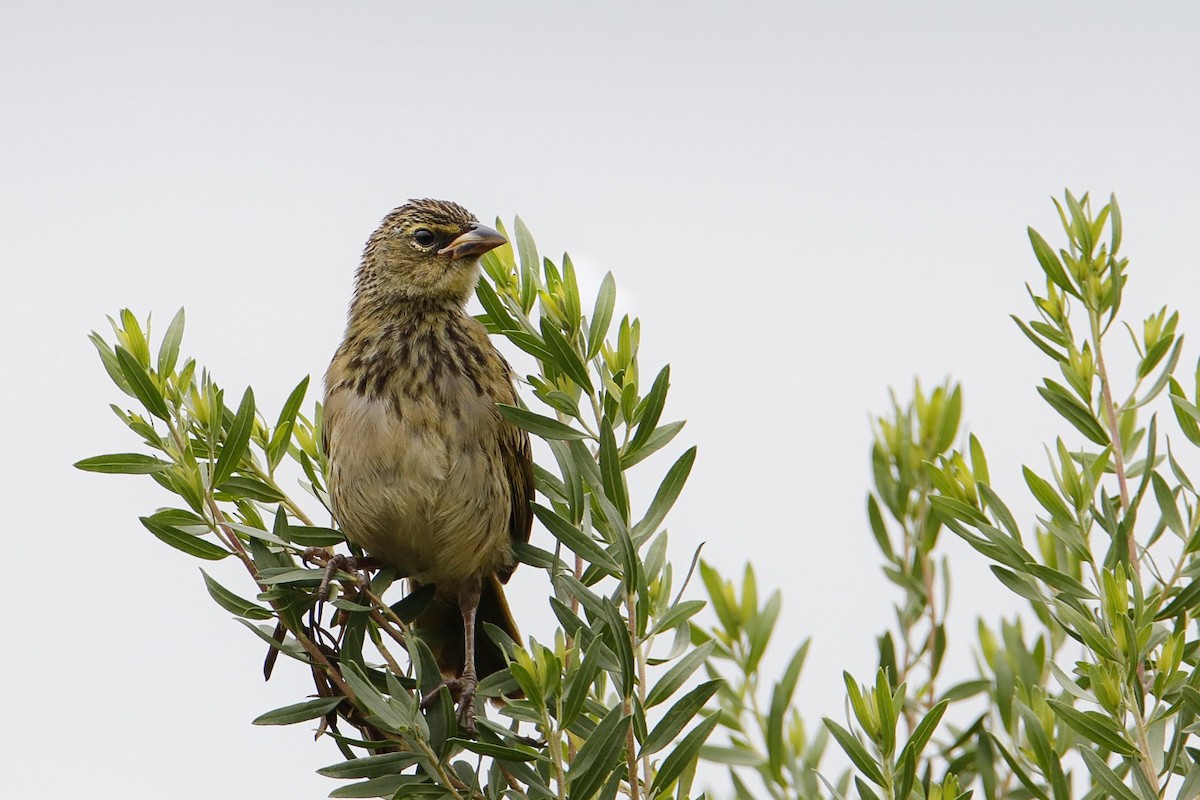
[(416, 477)]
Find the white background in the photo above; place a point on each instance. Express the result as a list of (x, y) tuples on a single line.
[(804, 204)]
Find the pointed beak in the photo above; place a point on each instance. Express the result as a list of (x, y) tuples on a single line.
[(474, 243)]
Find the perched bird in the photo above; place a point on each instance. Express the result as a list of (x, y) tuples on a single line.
[(424, 473)]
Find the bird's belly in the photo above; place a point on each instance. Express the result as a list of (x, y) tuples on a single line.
[(424, 492)]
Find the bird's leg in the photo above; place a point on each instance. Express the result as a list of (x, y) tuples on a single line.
[(468, 603)]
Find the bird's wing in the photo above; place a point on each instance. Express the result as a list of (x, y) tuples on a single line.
[(517, 455)]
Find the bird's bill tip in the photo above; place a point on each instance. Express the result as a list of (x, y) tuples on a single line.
[(474, 242)]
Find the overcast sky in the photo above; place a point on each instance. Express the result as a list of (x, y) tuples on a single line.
[(805, 204)]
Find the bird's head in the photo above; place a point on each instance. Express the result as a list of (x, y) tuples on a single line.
[(426, 249)]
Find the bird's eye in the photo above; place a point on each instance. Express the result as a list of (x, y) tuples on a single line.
[(424, 237)]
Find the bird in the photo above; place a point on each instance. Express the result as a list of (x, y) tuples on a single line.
[(424, 474)]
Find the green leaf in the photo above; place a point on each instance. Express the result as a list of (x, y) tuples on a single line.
[(602, 314), (668, 492), (1046, 495), (1166, 504), (676, 615), (192, 545), (610, 470), (855, 751), (652, 409), (1073, 412), (679, 672), (683, 755), (924, 731), (565, 357), (1186, 414), (579, 682), (879, 528), (168, 351), (545, 427), (142, 385), (529, 265), (1060, 581), (494, 307), (389, 713), (232, 603), (1037, 340), (370, 766), (299, 712), (579, 542), (1105, 777), (242, 487), (1095, 727), (393, 786), (661, 437), (1018, 584), (596, 757), (781, 701), (236, 442), (498, 750), (1185, 599), (123, 463), (1050, 263), (679, 715), (281, 437), (314, 536), (109, 359)]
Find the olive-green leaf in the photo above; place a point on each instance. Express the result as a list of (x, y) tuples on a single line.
[(602, 315), (232, 603), (192, 545), (529, 265), (667, 494), (683, 755), (1105, 776), (781, 701), (855, 751), (1050, 263), (535, 423), (1095, 727), (168, 351), (611, 475), (1074, 412), (656, 398), (141, 385), (1045, 494), (314, 536), (237, 441), (241, 487), (564, 356), (370, 766), (281, 437), (679, 715), (580, 543), (497, 750), (123, 463), (298, 712), (679, 672), (595, 758)]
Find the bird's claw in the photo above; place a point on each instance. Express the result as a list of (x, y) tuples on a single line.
[(462, 693)]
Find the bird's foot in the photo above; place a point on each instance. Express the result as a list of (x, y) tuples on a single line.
[(333, 562), (462, 692)]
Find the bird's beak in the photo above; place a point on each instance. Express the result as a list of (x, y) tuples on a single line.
[(474, 243)]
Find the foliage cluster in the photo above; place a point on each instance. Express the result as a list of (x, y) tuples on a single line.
[(1093, 693)]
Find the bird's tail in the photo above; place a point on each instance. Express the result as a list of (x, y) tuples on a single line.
[(441, 626)]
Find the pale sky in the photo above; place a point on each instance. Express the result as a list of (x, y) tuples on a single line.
[(805, 204)]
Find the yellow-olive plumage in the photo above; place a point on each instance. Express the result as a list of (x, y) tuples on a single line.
[(424, 473)]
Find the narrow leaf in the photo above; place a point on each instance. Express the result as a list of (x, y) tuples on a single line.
[(123, 463), (545, 427), (237, 441)]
